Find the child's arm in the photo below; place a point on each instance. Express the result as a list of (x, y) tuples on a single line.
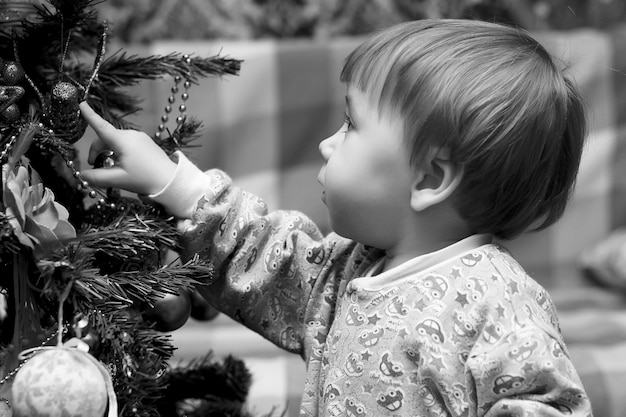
[(271, 269), (530, 374)]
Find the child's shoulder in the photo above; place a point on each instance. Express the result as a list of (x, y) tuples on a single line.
[(493, 272)]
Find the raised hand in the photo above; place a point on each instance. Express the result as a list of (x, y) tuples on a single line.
[(141, 166)]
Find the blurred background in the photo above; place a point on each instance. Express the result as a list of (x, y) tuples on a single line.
[(150, 20), (263, 128)]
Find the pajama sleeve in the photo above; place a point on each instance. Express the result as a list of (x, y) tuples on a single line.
[(528, 373), (267, 264)]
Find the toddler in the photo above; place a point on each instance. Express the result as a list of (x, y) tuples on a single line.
[(456, 133)]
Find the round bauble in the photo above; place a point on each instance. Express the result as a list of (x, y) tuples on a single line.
[(11, 114), (200, 308), (59, 382), (170, 312), (11, 73)]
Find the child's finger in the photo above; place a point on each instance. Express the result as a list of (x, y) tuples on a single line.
[(104, 130), (111, 177)]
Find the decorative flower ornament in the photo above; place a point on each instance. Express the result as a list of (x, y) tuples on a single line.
[(38, 221)]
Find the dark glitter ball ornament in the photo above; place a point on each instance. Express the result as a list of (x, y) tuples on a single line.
[(11, 73), (64, 116)]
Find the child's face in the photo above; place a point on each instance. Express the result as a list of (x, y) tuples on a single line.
[(366, 179)]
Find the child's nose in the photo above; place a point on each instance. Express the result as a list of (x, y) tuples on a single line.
[(327, 146)]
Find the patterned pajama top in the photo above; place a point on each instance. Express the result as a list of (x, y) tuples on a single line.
[(463, 331)]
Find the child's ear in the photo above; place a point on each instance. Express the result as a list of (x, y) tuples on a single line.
[(435, 183)]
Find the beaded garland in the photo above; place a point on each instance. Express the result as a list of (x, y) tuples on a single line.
[(182, 108), (107, 159)]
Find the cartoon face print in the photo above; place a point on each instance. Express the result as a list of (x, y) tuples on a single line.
[(316, 254), (316, 354), (389, 367), (543, 300), (369, 338), (257, 203), (355, 316), (462, 326), (492, 332), (289, 338), (354, 366), (239, 226), (432, 329), (557, 350), (354, 408), (477, 287), (251, 258), (299, 223), (435, 286), (392, 399), (287, 290), (331, 392), (272, 256), (330, 296), (573, 396), (275, 308), (317, 323), (504, 383), (521, 353), (427, 396), (458, 394), (563, 408), (414, 356), (472, 259), (334, 341), (224, 222), (396, 307), (248, 296)]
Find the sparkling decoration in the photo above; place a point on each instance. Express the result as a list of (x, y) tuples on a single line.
[(11, 74), (61, 382), (64, 115)]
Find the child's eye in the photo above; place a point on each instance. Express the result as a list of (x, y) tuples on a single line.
[(347, 121)]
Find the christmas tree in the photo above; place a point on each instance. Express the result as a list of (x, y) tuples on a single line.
[(86, 273)]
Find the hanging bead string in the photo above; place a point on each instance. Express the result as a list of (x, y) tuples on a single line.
[(94, 193), (4, 155), (182, 108)]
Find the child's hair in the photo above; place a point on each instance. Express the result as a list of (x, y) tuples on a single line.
[(495, 100)]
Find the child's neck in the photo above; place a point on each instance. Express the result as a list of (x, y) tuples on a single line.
[(434, 231), (438, 254)]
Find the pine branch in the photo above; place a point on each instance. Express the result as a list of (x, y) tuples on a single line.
[(122, 70)]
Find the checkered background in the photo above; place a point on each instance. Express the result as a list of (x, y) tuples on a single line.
[(264, 126)]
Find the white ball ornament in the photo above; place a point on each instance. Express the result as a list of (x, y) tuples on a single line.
[(59, 382)]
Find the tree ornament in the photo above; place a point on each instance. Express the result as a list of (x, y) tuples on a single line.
[(200, 308), (10, 92), (62, 381), (170, 312), (64, 115), (11, 73)]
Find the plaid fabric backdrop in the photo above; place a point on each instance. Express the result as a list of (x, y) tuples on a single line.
[(264, 126)]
